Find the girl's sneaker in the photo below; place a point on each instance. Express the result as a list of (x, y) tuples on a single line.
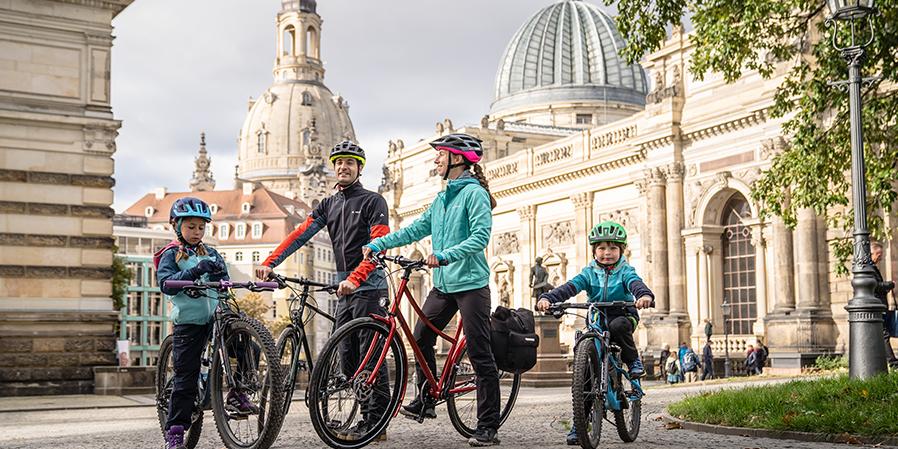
[(238, 402), (572, 438), (174, 438)]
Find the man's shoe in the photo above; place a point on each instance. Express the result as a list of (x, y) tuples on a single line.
[(636, 369), (572, 438), (484, 436), (239, 403), (417, 410), (174, 438), (358, 431)]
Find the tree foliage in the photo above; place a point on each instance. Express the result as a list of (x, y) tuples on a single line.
[(733, 36), (254, 306), (121, 275)]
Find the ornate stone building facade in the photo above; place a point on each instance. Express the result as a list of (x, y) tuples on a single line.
[(675, 166), (57, 137)]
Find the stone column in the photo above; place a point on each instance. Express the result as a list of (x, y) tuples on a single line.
[(784, 274), (806, 265), (704, 287), (527, 216), (582, 224), (676, 263), (658, 235), (760, 244)]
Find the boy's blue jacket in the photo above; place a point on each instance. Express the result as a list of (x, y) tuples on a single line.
[(459, 222), (620, 283), (187, 310)]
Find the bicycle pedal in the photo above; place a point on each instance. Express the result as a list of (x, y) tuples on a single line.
[(233, 416)]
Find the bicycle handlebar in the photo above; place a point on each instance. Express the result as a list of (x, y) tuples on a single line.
[(223, 285), (282, 280), (557, 309), (403, 262)]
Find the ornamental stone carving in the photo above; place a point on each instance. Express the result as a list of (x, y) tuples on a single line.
[(506, 243), (628, 218), (582, 200), (527, 212), (554, 155), (558, 234), (675, 171), (654, 176)]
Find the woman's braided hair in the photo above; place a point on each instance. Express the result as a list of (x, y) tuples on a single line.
[(477, 170)]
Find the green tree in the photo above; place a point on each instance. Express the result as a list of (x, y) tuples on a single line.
[(732, 36), (121, 276), (253, 305)]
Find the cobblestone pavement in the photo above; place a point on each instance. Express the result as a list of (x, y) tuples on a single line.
[(538, 421)]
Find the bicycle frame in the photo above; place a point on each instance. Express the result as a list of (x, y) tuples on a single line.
[(597, 324), (438, 389), (296, 313)]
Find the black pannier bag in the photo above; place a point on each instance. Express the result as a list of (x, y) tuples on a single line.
[(514, 339)]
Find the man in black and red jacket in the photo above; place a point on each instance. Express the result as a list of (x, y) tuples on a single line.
[(353, 216)]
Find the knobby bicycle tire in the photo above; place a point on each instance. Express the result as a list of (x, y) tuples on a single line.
[(289, 338), (163, 396), (322, 384), (271, 413), (504, 408), (627, 429), (587, 399)]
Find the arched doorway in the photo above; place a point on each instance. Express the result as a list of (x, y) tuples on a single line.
[(739, 276)]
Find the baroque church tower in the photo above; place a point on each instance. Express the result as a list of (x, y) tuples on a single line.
[(289, 129), (202, 180)]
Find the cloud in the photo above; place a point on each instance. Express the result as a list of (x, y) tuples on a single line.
[(182, 67)]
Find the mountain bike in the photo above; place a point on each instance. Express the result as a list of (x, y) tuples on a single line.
[(239, 356), (293, 338), (376, 383), (600, 382)]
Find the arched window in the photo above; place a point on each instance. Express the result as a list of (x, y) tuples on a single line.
[(256, 256), (306, 98), (262, 140), (739, 266), (238, 256), (312, 42), (289, 40)]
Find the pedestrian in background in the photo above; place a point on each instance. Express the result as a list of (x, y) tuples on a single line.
[(707, 361)]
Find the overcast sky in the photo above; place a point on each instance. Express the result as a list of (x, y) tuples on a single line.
[(181, 67)]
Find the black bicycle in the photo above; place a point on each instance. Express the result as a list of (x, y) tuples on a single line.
[(293, 342), (600, 382), (240, 358)]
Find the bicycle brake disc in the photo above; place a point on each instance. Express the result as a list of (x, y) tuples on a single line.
[(360, 386)]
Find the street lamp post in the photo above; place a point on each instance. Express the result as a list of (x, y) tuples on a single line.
[(725, 308), (865, 351)]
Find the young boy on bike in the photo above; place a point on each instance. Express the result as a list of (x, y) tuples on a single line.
[(189, 259), (609, 278), (353, 217), (459, 221)]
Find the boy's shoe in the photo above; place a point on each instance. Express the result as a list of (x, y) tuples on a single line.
[(572, 438), (484, 436), (636, 369), (359, 430), (414, 410), (238, 402), (174, 438)]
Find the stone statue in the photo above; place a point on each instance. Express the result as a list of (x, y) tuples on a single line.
[(539, 278), (485, 122), (504, 295)]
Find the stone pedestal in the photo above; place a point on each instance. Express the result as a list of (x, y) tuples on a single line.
[(551, 364), (660, 329), (797, 338), (119, 381)]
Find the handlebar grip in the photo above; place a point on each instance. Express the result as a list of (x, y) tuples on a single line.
[(271, 285), (443, 263), (178, 284)]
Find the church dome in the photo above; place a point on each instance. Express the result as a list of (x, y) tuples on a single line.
[(290, 123), (567, 52)]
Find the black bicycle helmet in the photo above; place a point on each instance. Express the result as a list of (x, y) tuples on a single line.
[(347, 148)]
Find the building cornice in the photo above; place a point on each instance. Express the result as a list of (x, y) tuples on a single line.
[(116, 6)]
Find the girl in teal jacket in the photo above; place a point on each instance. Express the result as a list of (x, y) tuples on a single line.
[(459, 222)]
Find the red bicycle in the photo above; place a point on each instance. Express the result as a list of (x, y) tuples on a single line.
[(364, 366)]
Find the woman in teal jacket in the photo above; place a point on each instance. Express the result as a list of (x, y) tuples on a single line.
[(459, 222)]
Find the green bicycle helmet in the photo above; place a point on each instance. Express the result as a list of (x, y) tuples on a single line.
[(608, 231)]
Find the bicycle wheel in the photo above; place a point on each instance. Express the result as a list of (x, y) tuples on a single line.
[(586, 394), (165, 372), (255, 374), (627, 419), (462, 405), (346, 411), (288, 347)]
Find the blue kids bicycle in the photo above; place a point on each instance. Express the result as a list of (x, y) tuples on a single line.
[(600, 382)]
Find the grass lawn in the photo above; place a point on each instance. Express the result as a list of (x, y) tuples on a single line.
[(832, 405)]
